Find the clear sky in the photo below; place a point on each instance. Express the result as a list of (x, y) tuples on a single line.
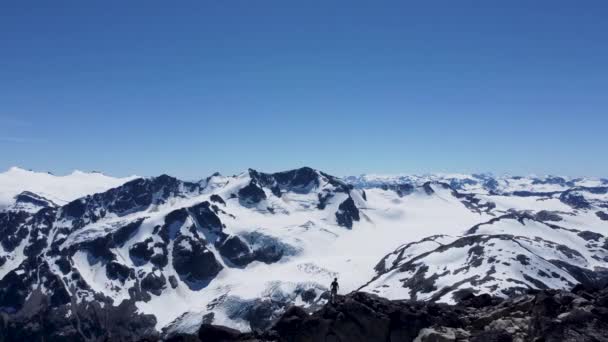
[(350, 87)]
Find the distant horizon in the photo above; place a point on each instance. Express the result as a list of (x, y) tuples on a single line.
[(193, 87), (447, 174)]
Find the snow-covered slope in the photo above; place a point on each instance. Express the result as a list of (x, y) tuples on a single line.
[(505, 256), (58, 189), (238, 250)]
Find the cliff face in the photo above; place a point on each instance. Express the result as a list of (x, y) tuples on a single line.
[(548, 315)]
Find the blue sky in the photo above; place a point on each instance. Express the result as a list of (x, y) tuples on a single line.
[(192, 87)]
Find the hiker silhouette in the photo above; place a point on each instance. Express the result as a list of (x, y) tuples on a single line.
[(334, 290)]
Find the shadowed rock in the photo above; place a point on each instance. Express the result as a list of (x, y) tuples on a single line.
[(602, 215), (251, 194), (347, 213), (194, 263), (549, 315)]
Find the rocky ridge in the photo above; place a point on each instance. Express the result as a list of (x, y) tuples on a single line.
[(580, 315)]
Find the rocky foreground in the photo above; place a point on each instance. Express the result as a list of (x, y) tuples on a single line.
[(548, 315)]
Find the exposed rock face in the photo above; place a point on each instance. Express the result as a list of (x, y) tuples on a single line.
[(119, 272), (251, 194), (545, 215), (31, 202), (428, 189), (401, 189), (577, 199), (236, 250), (133, 196), (11, 230), (194, 263), (154, 282), (206, 217), (81, 322), (217, 199), (574, 200), (297, 180), (347, 213), (549, 315), (300, 180), (210, 332), (473, 203)]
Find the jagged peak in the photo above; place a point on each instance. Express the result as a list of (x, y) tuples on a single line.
[(295, 178)]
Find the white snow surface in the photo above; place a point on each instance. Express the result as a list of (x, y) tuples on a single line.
[(59, 189)]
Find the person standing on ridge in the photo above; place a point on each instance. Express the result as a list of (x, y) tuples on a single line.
[(334, 291)]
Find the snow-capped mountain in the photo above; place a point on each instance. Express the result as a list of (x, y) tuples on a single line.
[(16, 184), (480, 183), (503, 257), (161, 255)]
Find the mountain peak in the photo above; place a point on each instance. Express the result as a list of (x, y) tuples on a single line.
[(17, 169)]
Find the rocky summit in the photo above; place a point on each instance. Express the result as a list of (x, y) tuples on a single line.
[(580, 315)]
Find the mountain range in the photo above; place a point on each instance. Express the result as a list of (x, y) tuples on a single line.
[(91, 257)]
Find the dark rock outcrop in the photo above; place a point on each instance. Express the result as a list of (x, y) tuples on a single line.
[(402, 189), (428, 189), (347, 213), (26, 198), (266, 248), (548, 315), (195, 264), (123, 234), (141, 252), (209, 332), (545, 215), (12, 231), (251, 194), (154, 283), (173, 221), (297, 180), (236, 251), (115, 270), (602, 215), (206, 217), (526, 193), (302, 180), (74, 322), (130, 197), (217, 199), (574, 200)]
